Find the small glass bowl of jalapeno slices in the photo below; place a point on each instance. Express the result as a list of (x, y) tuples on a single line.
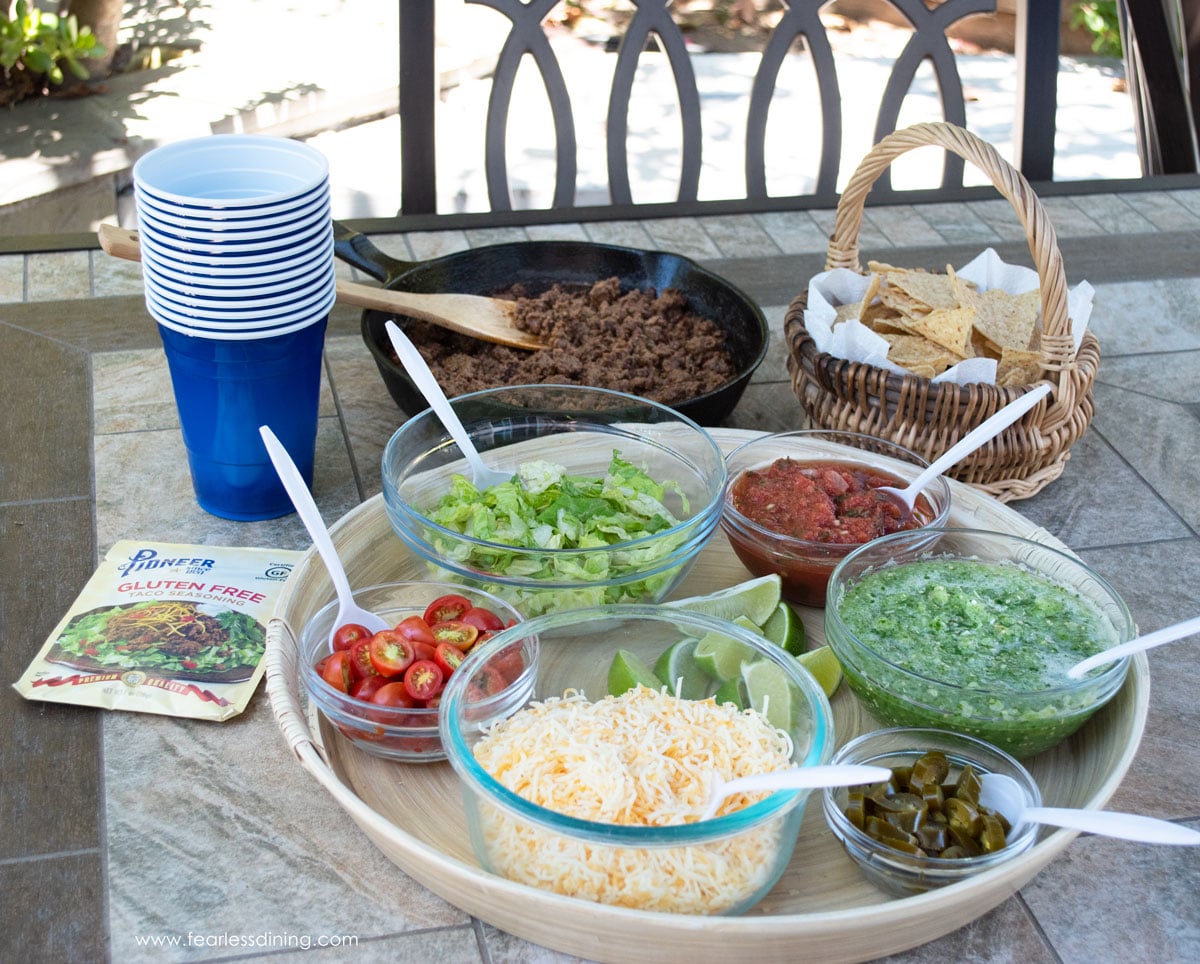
[(925, 828)]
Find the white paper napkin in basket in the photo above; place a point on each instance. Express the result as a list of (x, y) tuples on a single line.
[(854, 341)]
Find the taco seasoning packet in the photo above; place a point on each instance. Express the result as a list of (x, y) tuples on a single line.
[(177, 630)]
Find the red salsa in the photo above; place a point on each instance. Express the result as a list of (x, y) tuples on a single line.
[(829, 502)]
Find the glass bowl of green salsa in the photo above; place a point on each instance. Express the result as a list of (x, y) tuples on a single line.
[(924, 828), (797, 503), (974, 631)]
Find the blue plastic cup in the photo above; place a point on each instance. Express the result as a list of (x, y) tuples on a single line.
[(238, 173), (225, 388)]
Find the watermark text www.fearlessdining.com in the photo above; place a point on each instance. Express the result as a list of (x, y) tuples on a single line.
[(268, 940)]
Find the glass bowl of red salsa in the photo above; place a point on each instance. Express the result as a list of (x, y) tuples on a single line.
[(797, 503)]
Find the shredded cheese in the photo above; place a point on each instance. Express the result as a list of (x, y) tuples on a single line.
[(645, 758)]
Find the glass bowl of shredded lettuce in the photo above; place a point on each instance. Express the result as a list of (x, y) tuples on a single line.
[(610, 497)]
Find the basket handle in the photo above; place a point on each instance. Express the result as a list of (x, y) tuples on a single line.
[(283, 654), (1058, 347)]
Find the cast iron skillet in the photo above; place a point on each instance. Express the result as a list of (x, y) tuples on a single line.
[(538, 265)]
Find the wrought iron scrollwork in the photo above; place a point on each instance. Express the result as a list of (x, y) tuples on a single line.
[(800, 19), (929, 41), (527, 37), (653, 19)]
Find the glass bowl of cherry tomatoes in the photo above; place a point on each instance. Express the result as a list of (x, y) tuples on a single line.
[(381, 690)]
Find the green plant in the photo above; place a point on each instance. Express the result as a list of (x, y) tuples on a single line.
[(43, 43), (1099, 18)]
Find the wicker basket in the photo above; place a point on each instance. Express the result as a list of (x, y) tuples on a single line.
[(927, 417)]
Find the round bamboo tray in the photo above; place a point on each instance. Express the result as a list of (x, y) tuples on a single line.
[(926, 417), (822, 908)]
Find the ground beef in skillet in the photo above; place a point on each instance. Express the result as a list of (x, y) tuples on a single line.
[(634, 342)]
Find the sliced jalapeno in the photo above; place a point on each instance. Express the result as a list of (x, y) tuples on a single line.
[(921, 811)]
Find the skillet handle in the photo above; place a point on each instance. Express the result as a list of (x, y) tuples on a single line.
[(358, 251)]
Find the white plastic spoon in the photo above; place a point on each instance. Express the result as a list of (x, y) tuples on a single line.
[(428, 385), (798, 778), (985, 431), (348, 610), (1167, 634), (1004, 795)]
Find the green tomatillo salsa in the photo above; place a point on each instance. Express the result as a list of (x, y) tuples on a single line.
[(973, 646), (976, 625)]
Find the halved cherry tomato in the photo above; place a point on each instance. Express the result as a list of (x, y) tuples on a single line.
[(420, 718), (360, 659), (424, 679), (509, 664), (396, 694), (450, 606), (414, 627), (483, 619), (486, 682), (448, 657), (336, 671), (349, 634), (456, 633), (390, 652), (367, 687)]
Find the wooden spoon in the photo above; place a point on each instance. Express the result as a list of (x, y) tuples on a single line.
[(489, 319)]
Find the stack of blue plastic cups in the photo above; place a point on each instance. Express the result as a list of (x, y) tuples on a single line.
[(236, 242)]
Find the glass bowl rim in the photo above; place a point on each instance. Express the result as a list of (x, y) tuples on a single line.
[(328, 700), (749, 528), (884, 858), (1108, 680), (699, 518)]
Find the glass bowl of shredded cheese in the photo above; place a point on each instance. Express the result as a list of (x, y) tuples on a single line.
[(588, 775)]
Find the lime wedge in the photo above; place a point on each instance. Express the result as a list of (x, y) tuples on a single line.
[(628, 670), (769, 691), (785, 629), (677, 668), (824, 666), (720, 657), (754, 599), (731, 691)]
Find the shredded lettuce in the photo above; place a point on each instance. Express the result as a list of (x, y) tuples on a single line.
[(544, 507)]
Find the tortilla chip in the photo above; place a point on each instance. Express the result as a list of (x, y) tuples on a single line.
[(932, 290), (852, 311), (872, 292), (933, 321), (1018, 366), (919, 355), (901, 303), (981, 347), (1008, 321), (883, 318), (948, 327)]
